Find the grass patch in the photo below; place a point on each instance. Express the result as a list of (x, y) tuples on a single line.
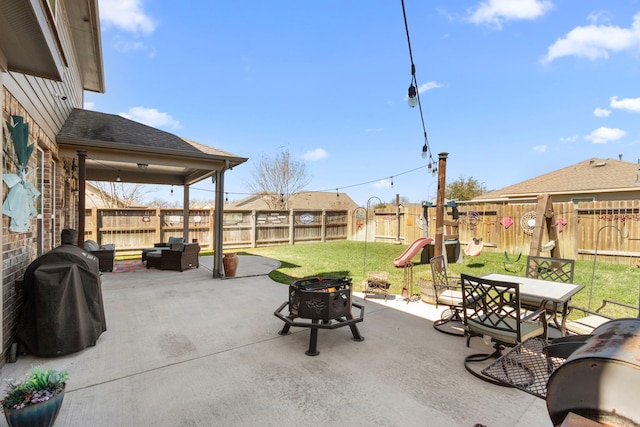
[(349, 258)]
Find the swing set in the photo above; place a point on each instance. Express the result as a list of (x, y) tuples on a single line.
[(534, 227)]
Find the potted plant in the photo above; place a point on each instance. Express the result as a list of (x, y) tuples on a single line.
[(35, 400)]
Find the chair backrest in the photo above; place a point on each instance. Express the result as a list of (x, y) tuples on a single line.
[(496, 312), (554, 269), (173, 240), (439, 272)]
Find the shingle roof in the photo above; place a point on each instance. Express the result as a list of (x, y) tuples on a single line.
[(86, 125), (300, 200), (593, 175)]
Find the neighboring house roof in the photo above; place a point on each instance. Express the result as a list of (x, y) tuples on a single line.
[(137, 152), (593, 176), (313, 200)]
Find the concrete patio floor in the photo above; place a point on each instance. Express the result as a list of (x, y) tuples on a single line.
[(183, 349)]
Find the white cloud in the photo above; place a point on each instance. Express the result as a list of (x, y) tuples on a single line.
[(601, 112), (128, 46), (630, 104), (88, 105), (494, 12), (602, 135), (573, 138), (599, 16), (540, 148), (428, 86), (383, 183), (151, 117), (127, 15), (317, 154), (595, 41)]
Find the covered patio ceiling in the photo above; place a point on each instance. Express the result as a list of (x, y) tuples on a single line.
[(110, 147)]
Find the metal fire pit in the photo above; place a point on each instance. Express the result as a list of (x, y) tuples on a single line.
[(601, 379), (323, 304)]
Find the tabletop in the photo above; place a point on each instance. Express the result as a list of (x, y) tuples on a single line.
[(557, 292)]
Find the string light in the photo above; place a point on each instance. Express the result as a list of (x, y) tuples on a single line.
[(172, 190), (392, 182), (118, 177), (414, 91)]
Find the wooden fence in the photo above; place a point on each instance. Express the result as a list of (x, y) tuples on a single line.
[(133, 229), (613, 228)]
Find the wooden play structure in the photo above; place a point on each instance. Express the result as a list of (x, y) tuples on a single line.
[(545, 217)]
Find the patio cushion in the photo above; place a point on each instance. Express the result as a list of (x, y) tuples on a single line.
[(173, 240), (91, 245)]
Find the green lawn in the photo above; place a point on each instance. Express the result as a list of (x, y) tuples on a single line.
[(354, 259)]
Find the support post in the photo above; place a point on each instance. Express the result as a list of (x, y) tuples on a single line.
[(442, 179), (218, 224)]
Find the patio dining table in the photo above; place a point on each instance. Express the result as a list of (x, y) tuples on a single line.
[(557, 293)]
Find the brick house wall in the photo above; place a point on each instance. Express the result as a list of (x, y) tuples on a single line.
[(20, 249)]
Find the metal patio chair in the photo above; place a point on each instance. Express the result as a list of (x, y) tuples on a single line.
[(555, 270), (447, 292), (495, 314)]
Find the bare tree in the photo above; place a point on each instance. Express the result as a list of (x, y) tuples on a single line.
[(120, 194), (277, 177)]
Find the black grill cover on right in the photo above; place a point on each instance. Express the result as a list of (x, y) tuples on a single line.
[(63, 310)]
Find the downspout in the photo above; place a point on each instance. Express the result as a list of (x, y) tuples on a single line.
[(82, 186)]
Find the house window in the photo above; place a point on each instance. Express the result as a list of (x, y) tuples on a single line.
[(582, 199)]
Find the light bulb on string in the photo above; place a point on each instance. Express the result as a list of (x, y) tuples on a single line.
[(226, 198), (172, 190), (424, 150), (118, 177), (413, 96), (391, 182)]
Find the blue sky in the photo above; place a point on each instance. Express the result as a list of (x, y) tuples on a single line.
[(511, 89)]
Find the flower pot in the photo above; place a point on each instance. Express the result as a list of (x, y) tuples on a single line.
[(230, 263), (41, 414)]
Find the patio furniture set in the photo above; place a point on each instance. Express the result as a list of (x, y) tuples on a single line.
[(511, 311), (175, 254)]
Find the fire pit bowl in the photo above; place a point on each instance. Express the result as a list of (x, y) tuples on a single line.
[(321, 299), (324, 303)]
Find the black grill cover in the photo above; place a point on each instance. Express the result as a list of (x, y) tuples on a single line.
[(63, 311)]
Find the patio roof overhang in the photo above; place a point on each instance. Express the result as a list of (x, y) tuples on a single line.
[(29, 42), (109, 146), (137, 153)]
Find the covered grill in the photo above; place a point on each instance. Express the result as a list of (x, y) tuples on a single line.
[(325, 304), (600, 380)]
